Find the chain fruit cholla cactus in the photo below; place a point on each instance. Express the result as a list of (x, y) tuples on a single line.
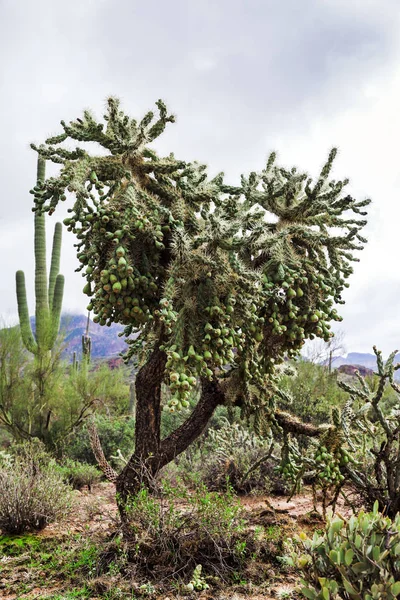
[(49, 295), (360, 447), (199, 269), (374, 432)]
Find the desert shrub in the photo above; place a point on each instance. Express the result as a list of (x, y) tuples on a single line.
[(311, 392), (359, 558), (15, 389), (82, 390), (6, 459), (114, 433), (179, 530), (369, 422), (32, 492), (32, 452), (229, 455), (78, 474)]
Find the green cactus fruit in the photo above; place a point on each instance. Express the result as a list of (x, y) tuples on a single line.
[(121, 262)]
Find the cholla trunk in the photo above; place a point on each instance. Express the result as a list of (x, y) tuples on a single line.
[(152, 453)]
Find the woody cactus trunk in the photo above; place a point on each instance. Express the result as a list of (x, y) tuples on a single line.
[(210, 288), (49, 297)]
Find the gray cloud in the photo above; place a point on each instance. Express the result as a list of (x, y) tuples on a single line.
[(243, 77)]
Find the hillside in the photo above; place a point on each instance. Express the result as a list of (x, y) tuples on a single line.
[(105, 340)]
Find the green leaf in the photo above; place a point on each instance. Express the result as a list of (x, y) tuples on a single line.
[(337, 525), (349, 588), (348, 557), (308, 593), (325, 593), (333, 587), (395, 588), (334, 557), (365, 524), (376, 552), (361, 567), (376, 507), (352, 523)]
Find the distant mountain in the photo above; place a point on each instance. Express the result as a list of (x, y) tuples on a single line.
[(355, 358), (360, 360), (105, 340), (351, 370)]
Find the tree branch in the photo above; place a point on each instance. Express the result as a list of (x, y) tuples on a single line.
[(181, 438), (291, 424)]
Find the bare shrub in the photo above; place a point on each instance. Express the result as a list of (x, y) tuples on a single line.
[(32, 495)]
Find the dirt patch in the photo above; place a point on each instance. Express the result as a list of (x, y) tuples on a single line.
[(95, 510)]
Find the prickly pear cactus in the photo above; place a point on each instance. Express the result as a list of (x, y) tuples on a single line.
[(195, 266), (358, 558)]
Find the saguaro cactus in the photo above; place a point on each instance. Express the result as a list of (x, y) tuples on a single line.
[(48, 295), (86, 342)]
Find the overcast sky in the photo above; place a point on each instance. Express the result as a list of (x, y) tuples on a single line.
[(244, 77)]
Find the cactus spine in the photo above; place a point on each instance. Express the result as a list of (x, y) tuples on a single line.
[(48, 295)]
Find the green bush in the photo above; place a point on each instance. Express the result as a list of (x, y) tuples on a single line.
[(32, 492), (357, 559), (78, 474), (311, 392), (114, 433), (181, 529), (6, 459), (71, 394)]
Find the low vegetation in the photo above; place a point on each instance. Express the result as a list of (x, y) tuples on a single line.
[(33, 493)]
